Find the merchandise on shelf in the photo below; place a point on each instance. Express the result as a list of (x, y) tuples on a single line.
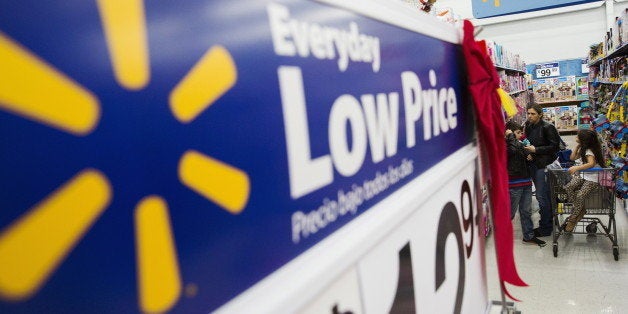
[(566, 88), (585, 116), (608, 95), (511, 70), (582, 88), (512, 82), (566, 118), (543, 90), (623, 29), (549, 115), (557, 89), (615, 39), (601, 94), (611, 70), (596, 51), (609, 100), (521, 101), (504, 58), (616, 35)]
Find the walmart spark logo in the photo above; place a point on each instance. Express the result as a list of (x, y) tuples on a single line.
[(35, 244), (496, 3)]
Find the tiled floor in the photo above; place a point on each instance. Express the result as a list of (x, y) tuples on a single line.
[(584, 278)]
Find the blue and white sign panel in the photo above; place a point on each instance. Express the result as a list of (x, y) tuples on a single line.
[(547, 70), (491, 8), (166, 156), (584, 66), (557, 68)]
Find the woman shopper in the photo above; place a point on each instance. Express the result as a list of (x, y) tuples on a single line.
[(544, 140), (587, 154)]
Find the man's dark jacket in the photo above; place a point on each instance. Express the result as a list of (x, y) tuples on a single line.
[(517, 166), (545, 139)]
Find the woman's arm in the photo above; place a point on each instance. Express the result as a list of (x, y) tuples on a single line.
[(575, 153), (552, 138), (589, 164)]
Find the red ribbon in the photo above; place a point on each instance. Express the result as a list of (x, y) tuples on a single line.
[(483, 85)]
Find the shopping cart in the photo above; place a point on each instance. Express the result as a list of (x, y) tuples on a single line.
[(599, 203)]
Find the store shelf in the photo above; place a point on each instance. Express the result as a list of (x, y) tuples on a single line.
[(560, 102), (499, 67), (619, 51), (609, 82), (517, 92)]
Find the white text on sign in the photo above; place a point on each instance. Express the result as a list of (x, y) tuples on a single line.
[(292, 37), (379, 127), (373, 118)]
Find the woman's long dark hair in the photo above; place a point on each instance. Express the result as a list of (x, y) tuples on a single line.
[(588, 140)]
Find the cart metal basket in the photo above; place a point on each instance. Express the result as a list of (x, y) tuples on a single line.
[(599, 205)]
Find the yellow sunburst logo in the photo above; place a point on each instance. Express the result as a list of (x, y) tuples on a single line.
[(33, 246), (495, 3)]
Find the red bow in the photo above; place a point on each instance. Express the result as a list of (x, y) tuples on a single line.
[(483, 85)]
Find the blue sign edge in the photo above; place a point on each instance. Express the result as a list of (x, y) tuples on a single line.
[(482, 16)]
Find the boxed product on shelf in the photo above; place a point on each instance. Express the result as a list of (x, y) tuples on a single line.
[(565, 88), (549, 115), (490, 50), (566, 118), (612, 70), (608, 42), (582, 88), (556, 89), (585, 115), (596, 51), (543, 90)]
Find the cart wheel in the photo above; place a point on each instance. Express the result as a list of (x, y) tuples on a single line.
[(616, 253), (555, 250)]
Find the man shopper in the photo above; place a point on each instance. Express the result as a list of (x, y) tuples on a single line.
[(544, 140)]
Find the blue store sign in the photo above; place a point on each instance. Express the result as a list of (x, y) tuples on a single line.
[(166, 156), (490, 8)]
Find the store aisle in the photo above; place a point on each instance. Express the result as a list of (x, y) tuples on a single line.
[(584, 278)]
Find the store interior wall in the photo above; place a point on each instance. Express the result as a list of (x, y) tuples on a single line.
[(548, 38), (557, 34)]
